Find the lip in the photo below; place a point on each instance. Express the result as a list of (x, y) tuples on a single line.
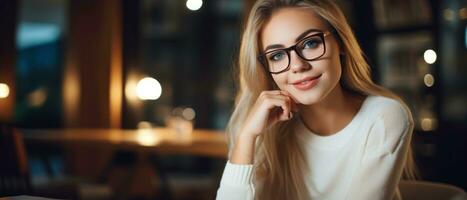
[(307, 83)]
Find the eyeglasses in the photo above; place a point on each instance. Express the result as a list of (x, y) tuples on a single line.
[(309, 48)]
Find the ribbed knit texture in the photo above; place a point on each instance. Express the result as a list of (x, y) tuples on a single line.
[(237, 174)]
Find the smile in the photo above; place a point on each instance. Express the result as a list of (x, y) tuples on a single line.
[(307, 83)]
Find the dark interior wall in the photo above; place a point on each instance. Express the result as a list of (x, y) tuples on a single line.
[(8, 13)]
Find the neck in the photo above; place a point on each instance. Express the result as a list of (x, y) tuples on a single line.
[(332, 113)]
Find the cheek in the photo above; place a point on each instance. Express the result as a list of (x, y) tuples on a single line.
[(335, 67)]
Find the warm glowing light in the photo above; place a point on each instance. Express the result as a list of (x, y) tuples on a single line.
[(148, 89), (194, 4), (429, 80), (130, 91), (430, 56), (448, 14), (183, 129), (428, 124), (188, 113), (38, 97), (144, 125), (177, 111), (463, 13), (146, 137), (4, 90)]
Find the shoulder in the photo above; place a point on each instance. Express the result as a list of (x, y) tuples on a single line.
[(387, 110), (390, 122)]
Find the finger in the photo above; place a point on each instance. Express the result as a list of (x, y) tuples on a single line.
[(293, 104), (279, 115), (290, 101), (285, 92), (284, 114), (281, 93), (271, 92), (279, 97)]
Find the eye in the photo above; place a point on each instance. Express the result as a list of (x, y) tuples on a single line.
[(311, 43), (276, 56)]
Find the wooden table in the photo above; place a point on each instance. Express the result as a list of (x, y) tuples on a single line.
[(148, 142), (200, 142), (24, 197)]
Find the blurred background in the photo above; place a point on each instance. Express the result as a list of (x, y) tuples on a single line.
[(87, 67)]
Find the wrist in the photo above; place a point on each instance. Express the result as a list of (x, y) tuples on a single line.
[(245, 135), (243, 151)]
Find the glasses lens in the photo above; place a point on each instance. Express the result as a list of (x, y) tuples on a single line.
[(277, 60), (312, 47)]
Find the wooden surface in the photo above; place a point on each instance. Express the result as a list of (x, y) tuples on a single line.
[(92, 75), (210, 143), (23, 197)]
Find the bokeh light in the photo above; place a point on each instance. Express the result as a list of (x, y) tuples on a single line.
[(194, 4), (4, 90), (148, 89), (429, 80), (430, 56)]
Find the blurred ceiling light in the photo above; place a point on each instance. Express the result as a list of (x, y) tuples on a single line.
[(429, 80), (189, 114), (430, 56), (448, 14), (37, 97), (194, 4), (4, 90), (148, 89)]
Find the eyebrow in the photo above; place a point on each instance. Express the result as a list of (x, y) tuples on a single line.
[(301, 36)]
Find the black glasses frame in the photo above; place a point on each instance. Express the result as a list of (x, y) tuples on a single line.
[(263, 60)]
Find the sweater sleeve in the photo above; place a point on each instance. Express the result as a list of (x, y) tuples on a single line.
[(384, 158), (236, 183)]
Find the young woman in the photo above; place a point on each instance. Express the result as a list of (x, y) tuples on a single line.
[(309, 123)]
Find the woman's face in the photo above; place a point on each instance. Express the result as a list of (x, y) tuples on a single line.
[(308, 82)]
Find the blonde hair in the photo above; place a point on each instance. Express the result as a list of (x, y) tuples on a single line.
[(279, 161)]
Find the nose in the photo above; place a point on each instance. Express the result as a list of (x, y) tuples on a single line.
[(297, 64)]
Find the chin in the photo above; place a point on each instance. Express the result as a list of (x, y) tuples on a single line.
[(308, 99)]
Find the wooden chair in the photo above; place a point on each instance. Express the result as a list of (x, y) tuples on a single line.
[(15, 178), (14, 172), (424, 190)]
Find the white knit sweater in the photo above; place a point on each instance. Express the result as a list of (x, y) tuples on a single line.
[(362, 161)]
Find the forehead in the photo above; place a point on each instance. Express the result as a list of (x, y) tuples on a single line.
[(286, 24)]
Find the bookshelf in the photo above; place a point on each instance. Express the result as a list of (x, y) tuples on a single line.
[(405, 34), (395, 34)]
